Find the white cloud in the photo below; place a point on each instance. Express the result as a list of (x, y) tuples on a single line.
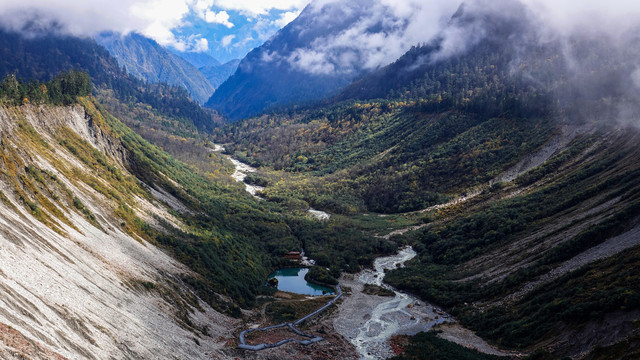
[(160, 16), (221, 17), (587, 15), (314, 62), (244, 42), (201, 45), (254, 8), (226, 41), (286, 18)]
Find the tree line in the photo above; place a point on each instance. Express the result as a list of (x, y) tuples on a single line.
[(61, 90)]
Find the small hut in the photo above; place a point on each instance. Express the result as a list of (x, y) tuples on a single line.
[(293, 255)]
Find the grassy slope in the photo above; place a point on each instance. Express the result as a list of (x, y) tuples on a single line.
[(229, 233)]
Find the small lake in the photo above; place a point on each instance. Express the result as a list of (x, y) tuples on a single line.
[(292, 280)]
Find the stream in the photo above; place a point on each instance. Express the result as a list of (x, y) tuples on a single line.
[(372, 321), (241, 172)]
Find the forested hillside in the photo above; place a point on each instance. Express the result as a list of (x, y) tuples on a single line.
[(517, 167)]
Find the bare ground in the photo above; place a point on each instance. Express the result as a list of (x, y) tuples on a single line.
[(357, 306), (467, 338), (605, 250)]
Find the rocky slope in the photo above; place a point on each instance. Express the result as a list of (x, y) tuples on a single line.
[(78, 280)]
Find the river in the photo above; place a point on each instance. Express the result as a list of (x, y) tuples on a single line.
[(241, 172), (369, 321)]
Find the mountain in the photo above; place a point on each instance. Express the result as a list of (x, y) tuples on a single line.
[(43, 57), (91, 246), (287, 69), (197, 59), (147, 60), (504, 154), (218, 74)]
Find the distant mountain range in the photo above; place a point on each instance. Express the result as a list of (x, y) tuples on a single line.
[(218, 74), (197, 59), (147, 60)]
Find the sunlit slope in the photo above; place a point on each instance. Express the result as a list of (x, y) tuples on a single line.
[(110, 244)]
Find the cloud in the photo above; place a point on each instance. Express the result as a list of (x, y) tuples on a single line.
[(253, 8), (221, 17), (311, 61), (226, 41), (286, 18), (365, 34), (201, 45), (568, 16), (157, 19)]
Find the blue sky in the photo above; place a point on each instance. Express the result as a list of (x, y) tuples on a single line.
[(226, 29), (229, 34)]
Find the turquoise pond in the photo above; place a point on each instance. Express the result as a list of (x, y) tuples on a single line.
[(292, 280)]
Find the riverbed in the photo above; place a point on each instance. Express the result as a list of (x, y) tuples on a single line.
[(369, 321), (242, 170)]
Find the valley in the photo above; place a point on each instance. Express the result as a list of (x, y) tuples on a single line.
[(371, 180)]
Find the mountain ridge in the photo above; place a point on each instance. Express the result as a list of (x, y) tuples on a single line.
[(218, 74), (147, 60), (274, 74)]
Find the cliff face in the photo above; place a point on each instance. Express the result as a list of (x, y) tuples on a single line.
[(77, 278)]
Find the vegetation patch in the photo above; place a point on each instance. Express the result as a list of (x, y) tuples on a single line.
[(288, 311), (428, 346)]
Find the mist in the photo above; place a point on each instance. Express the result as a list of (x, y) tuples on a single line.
[(383, 30), (597, 41)]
